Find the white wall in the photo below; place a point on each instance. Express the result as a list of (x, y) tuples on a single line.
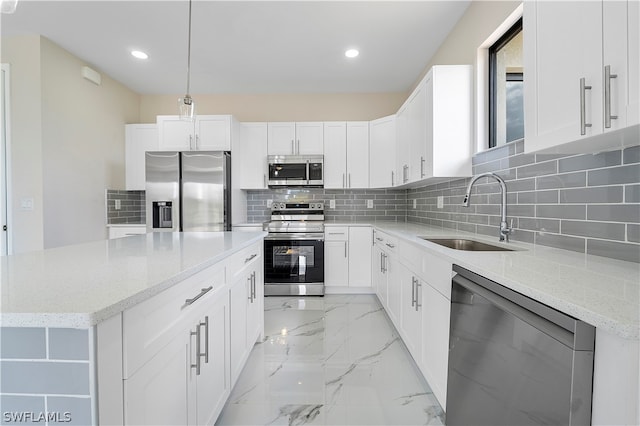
[(67, 144)]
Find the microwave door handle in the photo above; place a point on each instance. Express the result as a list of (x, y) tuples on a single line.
[(307, 172)]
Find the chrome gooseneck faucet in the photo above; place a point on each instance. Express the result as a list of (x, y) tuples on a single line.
[(505, 230)]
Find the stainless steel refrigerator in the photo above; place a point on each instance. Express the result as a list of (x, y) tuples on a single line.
[(188, 191)]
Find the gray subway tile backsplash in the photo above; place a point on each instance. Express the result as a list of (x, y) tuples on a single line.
[(132, 207), (23, 343), (68, 344), (42, 377), (78, 409), (13, 406), (590, 204)]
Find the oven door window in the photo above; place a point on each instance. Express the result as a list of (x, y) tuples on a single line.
[(294, 261)]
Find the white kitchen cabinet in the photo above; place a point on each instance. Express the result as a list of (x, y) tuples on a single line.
[(347, 261), (121, 231), (434, 126), (382, 152), (139, 138), (566, 68), (378, 276), (305, 138), (246, 299), (436, 310), (252, 149), (346, 154), (411, 311), (205, 133)]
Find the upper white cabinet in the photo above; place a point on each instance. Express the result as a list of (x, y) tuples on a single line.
[(205, 133), (346, 154), (382, 152), (581, 80), (139, 138), (295, 138), (434, 127), (252, 149)]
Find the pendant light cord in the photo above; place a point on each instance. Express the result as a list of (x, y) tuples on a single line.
[(189, 52)]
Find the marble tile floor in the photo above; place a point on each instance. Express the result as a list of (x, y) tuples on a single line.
[(333, 360)]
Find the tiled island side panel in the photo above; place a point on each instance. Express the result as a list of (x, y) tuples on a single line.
[(585, 203), (45, 375)]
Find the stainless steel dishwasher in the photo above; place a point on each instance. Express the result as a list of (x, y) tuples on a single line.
[(513, 360)]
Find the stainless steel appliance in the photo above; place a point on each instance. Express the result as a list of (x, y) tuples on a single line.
[(296, 170), (188, 191), (294, 250), (513, 360)]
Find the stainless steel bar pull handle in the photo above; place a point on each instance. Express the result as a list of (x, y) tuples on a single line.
[(422, 160), (607, 97), (349, 180), (190, 141), (345, 249), (203, 291), (390, 245), (250, 258), (413, 291), (253, 286), (298, 147), (197, 364), (250, 297), (344, 181), (583, 107), (206, 339), (418, 286), (197, 141), (392, 176), (264, 181)]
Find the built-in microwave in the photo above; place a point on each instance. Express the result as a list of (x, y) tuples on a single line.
[(295, 170)]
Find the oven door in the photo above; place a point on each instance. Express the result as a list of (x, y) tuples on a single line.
[(293, 260)]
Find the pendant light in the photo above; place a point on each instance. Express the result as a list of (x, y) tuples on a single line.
[(186, 106)]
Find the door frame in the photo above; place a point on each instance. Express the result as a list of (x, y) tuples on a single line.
[(5, 158)]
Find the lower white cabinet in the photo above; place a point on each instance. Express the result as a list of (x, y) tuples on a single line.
[(183, 348), (347, 256), (411, 311), (435, 341)]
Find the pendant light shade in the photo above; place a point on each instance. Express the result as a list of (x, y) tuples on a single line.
[(186, 106)]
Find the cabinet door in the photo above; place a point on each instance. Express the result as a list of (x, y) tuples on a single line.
[(335, 155), (417, 129), (281, 139), (435, 341), (212, 384), (309, 138), (158, 392), (633, 48), (394, 289), (411, 312), (382, 152), (556, 57), (139, 138), (378, 276), (175, 134), (402, 147), (253, 152), (336, 263), (360, 256), (255, 307), (238, 297), (213, 133), (357, 154)]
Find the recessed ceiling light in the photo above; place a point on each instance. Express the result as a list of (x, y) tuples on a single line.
[(139, 54), (351, 53)]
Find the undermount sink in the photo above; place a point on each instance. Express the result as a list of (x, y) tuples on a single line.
[(464, 244)]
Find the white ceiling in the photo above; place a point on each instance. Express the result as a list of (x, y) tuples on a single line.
[(247, 46)]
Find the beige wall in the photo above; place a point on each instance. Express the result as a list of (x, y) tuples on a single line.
[(25, 140), (281, 107), (67, 144)]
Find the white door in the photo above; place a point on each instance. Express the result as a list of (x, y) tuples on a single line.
[(139, 138), (435, 344), (360, 256), (377, 275), (336, 263), (281, 139), (309, 138), (403, 153), (382, 152), (213, 133), (394, 292), (253, 155), (4, 162), (559, 56), (255, 308), (175, 134), (411, 322), (417, 122), (238, 346), (335, 154), (358, 154)]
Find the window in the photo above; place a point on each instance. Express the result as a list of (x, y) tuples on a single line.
[(506, 109)]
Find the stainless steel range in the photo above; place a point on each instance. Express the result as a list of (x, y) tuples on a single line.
[(294, 249)]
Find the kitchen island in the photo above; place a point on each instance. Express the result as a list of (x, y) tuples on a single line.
[(81, 323)]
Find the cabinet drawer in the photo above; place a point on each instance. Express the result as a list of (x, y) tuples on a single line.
[(386, 242), (152, 324), (244, 259), (336, 233)]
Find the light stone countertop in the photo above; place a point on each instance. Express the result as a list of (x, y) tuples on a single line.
[(81, 285), (600, 291)]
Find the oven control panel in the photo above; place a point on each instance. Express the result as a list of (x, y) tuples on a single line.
[(292, 207)]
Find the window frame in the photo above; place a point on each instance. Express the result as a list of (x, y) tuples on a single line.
[(513, 31)]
